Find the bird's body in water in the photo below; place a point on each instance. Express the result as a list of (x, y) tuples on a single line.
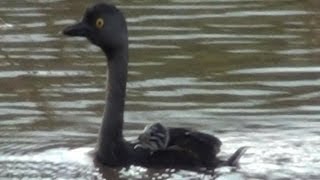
[(157, 137), (104, 25)]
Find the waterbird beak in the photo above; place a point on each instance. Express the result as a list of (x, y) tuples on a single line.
[(80, 29)]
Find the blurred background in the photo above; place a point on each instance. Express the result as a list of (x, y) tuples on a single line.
[(246, 71)]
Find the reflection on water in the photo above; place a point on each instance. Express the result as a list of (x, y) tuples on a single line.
[(245, 70)]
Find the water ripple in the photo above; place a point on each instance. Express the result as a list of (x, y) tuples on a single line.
[(190, 36), (236, 14), (234, 92), (25, 38), (276, 70), (43, 73)]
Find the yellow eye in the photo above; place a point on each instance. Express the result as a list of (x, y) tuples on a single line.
[(99, 23)]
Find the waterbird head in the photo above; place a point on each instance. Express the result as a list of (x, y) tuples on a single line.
[(103, 25)]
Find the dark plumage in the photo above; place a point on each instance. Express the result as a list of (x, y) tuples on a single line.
[(105, 26)]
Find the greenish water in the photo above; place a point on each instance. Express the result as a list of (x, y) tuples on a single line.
[(245, 70)]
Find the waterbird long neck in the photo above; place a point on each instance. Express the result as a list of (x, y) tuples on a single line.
[(112, 124)]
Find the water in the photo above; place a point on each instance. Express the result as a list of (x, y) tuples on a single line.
[(244, 70)]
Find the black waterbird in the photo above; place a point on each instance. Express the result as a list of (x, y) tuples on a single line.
[(105, 26)]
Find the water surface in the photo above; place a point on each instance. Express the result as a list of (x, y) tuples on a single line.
[(244, 70)]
